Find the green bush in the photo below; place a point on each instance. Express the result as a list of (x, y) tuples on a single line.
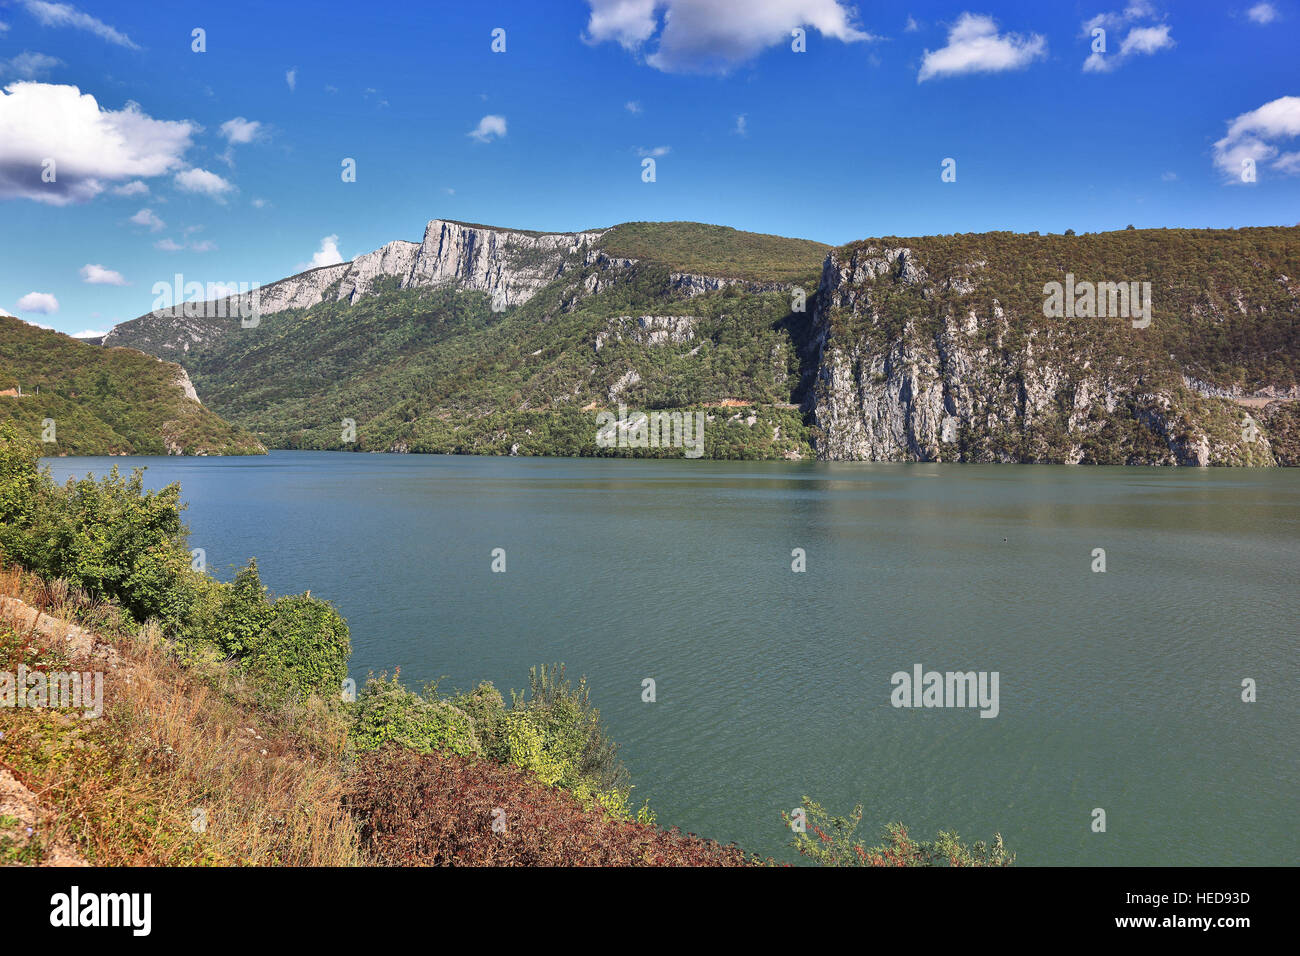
[(303, 650), (832, 843), (20, 483), (388, 712), (491, 720), (117, 541)]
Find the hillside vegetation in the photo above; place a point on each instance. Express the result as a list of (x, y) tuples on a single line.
[(718, 251), (934, 348), (105, 401)]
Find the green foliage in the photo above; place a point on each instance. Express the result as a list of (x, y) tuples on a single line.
[(20, 482), (104, 401), (551, 731), (117, 541), (386, 712), (703, 249), (304, 650), (830, 841)]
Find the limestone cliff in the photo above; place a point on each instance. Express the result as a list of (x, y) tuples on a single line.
[(914, 366)]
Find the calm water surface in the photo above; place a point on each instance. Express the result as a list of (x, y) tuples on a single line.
[(1118, 690)]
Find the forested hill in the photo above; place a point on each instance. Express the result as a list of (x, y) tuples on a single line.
[(495, 341), (96, 401)]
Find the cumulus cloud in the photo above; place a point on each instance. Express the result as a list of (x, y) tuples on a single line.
[(975, 46), (66, 15), (203, 182), (1140, 39), (710, 36), (654, 151), (1262, 13), (28, 66), (327, 255), (42, 303), (89, 334), (168, 245), (90, 146), (146, 217), (291, 77), (632, 106), (489, 127), (136, 187), (1254, 136), (94, 274), (240, 130), (2, 311), (742, 125)]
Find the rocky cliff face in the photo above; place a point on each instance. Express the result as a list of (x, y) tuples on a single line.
[(915, 367), (509, 266)]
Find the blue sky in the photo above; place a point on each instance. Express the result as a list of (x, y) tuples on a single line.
[(227, 168)]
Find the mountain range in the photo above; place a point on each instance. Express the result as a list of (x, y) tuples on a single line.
[(485, 340)]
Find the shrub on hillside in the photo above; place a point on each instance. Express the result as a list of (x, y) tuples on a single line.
[(832, 843), (387, 713), (108, 536), (447, 810), (116, 541), (557, 732)]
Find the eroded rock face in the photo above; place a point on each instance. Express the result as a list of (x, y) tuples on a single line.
[(954, 389), (648, 330), (511, 267)]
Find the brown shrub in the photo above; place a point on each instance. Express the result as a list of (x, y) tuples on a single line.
[(438, 810)]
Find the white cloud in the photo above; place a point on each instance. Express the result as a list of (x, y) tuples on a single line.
[(1169, 177), (240, 130), (136, 187), (654, 151), (1145, 39), (42, 303), (93, 274), (168, 245), (975, 46), (327, 255), (1262, 13), (205, 245), (712, 36), (3, 27), (632, 106), (66, 15), (203, 182), (291, 77), (146, 217), (89, 145), (28, 65), (488, 127), (1249, 134), (89, 334), (912, 25), (260, 203), (2, 311), (741, 128)]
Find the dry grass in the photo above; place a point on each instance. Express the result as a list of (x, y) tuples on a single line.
[(125, 789)]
